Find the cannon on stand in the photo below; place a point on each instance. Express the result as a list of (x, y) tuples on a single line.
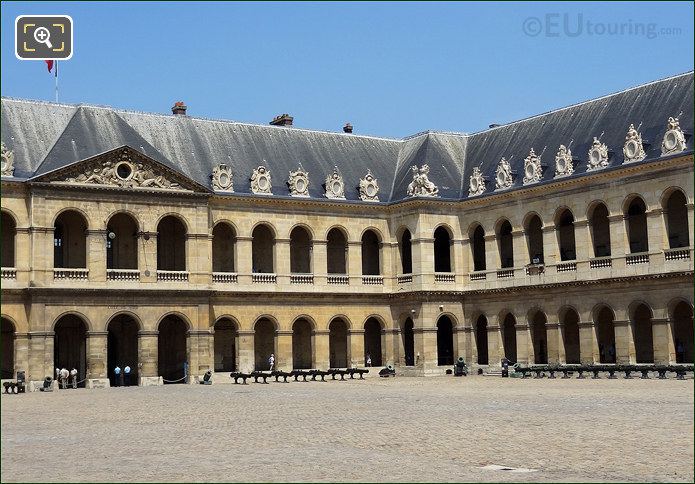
[(460, 368)]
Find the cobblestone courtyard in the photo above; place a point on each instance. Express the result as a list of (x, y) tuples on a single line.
[(404, 429)]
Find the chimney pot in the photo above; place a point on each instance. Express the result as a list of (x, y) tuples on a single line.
[(347, 128), (179, 108), (282, 120)]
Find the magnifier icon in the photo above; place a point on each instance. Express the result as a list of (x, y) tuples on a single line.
[(43, 36)]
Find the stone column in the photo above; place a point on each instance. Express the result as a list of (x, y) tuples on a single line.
[(40, 349), (524, 349), (354, 262), (550, 245), (657, 236), (624, 342), (429, 358), (21, 354), (588, 343), (521, 257), (200, 357), (388, 350), (619, 244), (356, 347), (148, 358), (553, 335), (495, 348), (582, 243), (244, 261), (464, 263), (459, 263), (319, 261), (282, 264), (41, 255), (423, 260), (246, 353), (492, 253), (147, 256), (22, 255), (199, 258), (283, 350), (664, 348), (463, 344), (321, 349), (96, 255), (97, 372)]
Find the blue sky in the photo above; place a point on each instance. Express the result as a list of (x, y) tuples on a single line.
[(391, 69)]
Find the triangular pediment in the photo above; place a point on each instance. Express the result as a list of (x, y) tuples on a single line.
[(123, 167)]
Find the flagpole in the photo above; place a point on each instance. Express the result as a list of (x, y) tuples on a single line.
[(56, 77)]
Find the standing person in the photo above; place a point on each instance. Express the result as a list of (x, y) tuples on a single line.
[(126, 373), (368, 360), (117, 375), (64, 374), (271, 361), (73, 376)]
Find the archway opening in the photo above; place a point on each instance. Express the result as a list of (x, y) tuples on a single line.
[(264, 343), (478, 248), (9, 233), (406, 251), (225, 342), (481, 340), (599, 227), (605, 334), (263, 248), (505, 245), (122, 347), (122, 242), (534, 239), (642, 334), (223, 242), (683, 332), (301, 344), (570, 328), (408, 336), (172, 349), (336, 252), (300, 251), (509, 337), (338, 343), (442, 250), (372, 341), (636, 219), (371, 265), (565, 235), (171, 244), (445, 341), (7, 330), (70, 241), (70, 347), (540, 338), (677, 220)]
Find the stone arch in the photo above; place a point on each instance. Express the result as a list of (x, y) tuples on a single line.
[(564, 229), (604, 317), (569, 319), (505, 242), (408, 341), (508, 329), (373, 347), (674, 203), (172, 347), (476, 236), (405, 250), (599, 228), (8, 227), (681, 315), (264, 341), (224, 247), (70, 239), (641, 316), (443, 248), (70, 344), (338, 346), (263, 248), (8, 332), (81, 212), (337, 250), (301, 246), (122, 241), (302, 343), (538, 322), (445, 340), (481, 339), (533, 227), (122, 345), (172, 230), (635, 211), (225, 343), (371, 252)]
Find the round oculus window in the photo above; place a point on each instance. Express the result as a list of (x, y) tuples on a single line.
[(224, 179), (300, 185), (336, 187), (474, 184), (371, 190), (562, 164), (670, 140), (501, 178), (263, 182), (595, 156), (124, 171), (631, 148), (530, 170)]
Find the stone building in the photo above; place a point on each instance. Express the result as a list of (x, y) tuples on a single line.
[(157, 240)]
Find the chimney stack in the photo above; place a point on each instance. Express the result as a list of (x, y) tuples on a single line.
[(282, 120), (178, 109), (347, 128)]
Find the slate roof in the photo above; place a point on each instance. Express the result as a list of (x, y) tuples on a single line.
[(47, 136)]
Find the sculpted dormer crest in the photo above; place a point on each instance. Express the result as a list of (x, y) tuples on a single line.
[(299, 182), (476, 184), (633, 149), (503, 176), (598, 156), (260, 181), (533, 171), (674, 139), (7, 161), (564, 165), (369, 188), (335, 187), (222, 178), (421, 186)]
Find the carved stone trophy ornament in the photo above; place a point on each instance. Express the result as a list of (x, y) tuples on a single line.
[(564, 165), (476, 184), (633, 150), (503, 176), (260, 181), (598, 156), (421, 186), (674, 139), (299, 182), (335, 187), (369, 188), (533, 170), (222, 178), (7, 161)]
